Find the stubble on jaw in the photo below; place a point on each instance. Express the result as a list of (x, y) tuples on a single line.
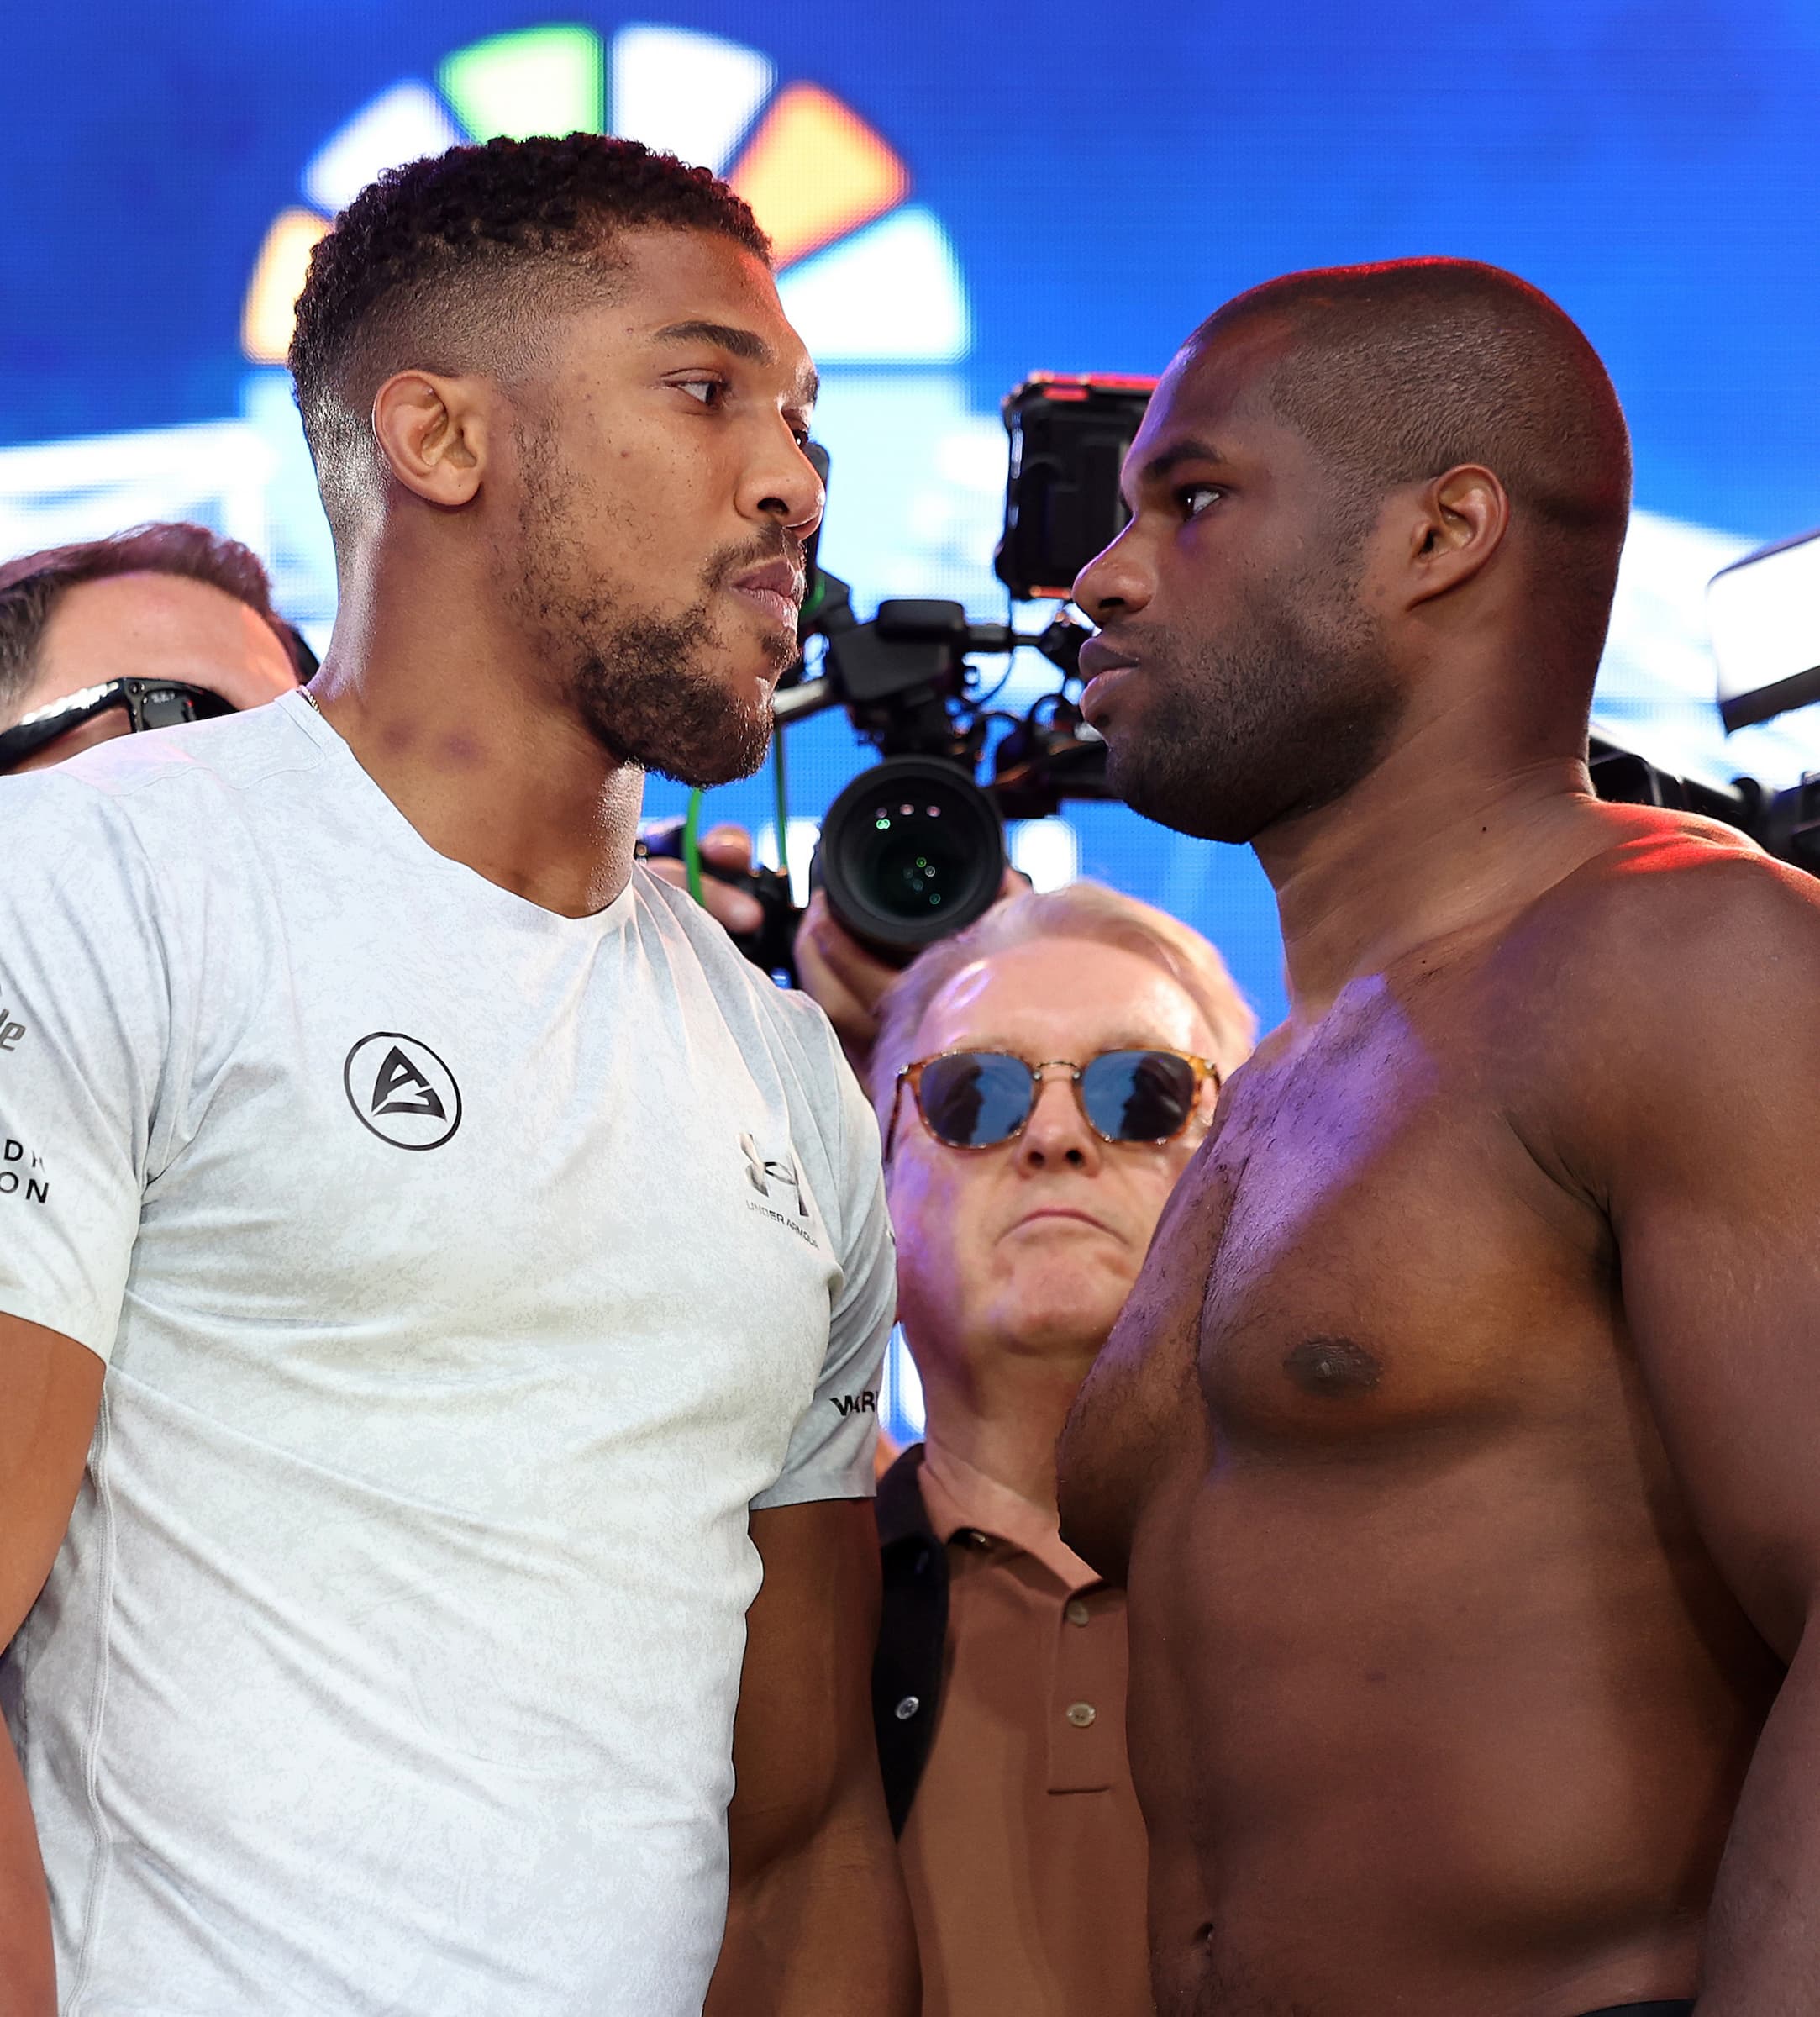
[(643, 685), (1284, 713)]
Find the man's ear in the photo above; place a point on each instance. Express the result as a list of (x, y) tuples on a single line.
[(1459, 522), (432, 431)]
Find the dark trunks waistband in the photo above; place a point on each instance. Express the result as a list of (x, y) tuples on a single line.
[(1680, 2007)]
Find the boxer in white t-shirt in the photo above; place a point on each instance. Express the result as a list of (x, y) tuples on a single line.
[(438, 1277)]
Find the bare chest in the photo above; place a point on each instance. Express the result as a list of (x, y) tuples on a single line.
[(1363, 1248)]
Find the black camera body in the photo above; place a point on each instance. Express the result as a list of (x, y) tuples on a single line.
[(1069, 435), (1784, 823), (914, 848)]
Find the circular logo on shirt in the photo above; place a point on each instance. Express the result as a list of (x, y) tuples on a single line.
[(400, 1089)]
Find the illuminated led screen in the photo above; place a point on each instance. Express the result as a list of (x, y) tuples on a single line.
[(958, 196)]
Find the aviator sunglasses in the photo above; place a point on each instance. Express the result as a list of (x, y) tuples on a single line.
[(980, 1099)]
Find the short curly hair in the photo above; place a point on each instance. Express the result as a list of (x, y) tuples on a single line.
[(454, 262)]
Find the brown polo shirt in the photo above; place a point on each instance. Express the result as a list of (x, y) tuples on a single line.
[(1024, 1850)]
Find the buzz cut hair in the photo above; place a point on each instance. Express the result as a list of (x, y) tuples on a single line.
[(456, 264), (1396, 372)]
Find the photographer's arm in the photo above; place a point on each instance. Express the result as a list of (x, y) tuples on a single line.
[(726, 849), (835, 969), (818, 1922), (50, 1394)]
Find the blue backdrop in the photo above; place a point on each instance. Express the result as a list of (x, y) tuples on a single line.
[(1082, 187)]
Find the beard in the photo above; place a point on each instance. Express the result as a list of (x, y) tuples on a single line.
[(1285, 713), (645, 686), (645, 690)]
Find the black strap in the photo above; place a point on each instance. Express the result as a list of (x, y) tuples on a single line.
[(912, 1630)]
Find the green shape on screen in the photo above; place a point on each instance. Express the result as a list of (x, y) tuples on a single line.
[(539, 80)]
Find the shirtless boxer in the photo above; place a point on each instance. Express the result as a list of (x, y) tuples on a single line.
[(1460, 1443)]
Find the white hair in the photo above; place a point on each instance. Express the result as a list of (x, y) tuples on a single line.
[(1082, 910)]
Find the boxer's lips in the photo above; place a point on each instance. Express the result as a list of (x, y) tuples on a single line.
[(1103, 666), (776, 590)]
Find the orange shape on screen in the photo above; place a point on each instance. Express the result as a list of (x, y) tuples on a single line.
[(814, 171), (278, 275)]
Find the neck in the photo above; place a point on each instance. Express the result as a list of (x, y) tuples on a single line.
[(435, 693), (1005, 1420), (1443, 836)]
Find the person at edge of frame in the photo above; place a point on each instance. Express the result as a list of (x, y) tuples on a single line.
[(169, 600), (441, 1279), (1456, 1444)]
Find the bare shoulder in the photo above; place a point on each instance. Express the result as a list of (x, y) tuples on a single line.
[(1670, 980), (1679, 905)]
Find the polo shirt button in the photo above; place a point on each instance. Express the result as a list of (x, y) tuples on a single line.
[(1081, 1714), (910, 1704), (1076, 1612)]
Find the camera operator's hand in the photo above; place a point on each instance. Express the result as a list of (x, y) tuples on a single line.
[(728, 847), (835, 969), (846, 979), (840, 974)]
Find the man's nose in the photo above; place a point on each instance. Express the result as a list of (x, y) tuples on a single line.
[(783, 487), (1056, 1135), (1116, 582)]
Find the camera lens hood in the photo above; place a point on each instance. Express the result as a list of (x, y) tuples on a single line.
[(912, 850)]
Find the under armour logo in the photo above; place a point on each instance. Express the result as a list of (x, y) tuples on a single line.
[(761, 1174)]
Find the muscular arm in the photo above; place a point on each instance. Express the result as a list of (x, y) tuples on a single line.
[(50, 1393), (1711, 1118), (818, 1925)]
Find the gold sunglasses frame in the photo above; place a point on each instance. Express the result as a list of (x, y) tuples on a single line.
[(912, 1074)]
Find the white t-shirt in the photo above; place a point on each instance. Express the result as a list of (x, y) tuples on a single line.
[(464, 1273)]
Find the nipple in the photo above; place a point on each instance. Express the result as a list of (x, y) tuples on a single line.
[(1333, 1368)]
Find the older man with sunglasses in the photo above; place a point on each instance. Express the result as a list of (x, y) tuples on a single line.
[(1042, 1078)]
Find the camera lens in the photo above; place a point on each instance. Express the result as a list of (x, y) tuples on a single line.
[(912, 850)]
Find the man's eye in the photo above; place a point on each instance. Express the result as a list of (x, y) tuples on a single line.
[(1195, 497), (708, 391)]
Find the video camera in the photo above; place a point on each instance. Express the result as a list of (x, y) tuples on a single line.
[(913, 848)]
